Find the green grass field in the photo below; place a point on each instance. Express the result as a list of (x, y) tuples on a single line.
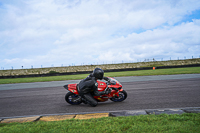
[(185, 123), (188, 70)]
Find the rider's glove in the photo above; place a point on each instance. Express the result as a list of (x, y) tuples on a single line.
[(106, 78)]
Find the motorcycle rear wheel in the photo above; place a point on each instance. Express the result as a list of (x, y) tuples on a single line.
[(73, 99), (122, 97)]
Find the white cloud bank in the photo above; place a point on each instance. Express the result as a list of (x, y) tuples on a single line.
[(46, 32)]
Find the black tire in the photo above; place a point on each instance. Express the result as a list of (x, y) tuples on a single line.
[(122, 97), (73, 99)]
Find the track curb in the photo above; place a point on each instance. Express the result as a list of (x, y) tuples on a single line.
[(94, 115)]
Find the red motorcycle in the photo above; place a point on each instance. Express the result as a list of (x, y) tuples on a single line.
[(116, 93)]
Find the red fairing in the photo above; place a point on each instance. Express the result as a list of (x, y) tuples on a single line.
[(101, 85), (73, 88)]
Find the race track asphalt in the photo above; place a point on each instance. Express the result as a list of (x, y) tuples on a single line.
[(144, 92)]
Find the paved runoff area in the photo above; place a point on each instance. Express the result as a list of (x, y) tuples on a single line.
[(59, 117)]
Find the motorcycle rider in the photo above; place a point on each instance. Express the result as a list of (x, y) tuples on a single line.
[(89, 84)]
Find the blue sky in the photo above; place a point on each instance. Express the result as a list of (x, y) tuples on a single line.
[(66, 32)]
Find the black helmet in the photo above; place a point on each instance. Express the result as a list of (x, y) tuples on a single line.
[(98, 73)]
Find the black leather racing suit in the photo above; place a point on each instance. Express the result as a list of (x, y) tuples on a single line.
[(88, 85)]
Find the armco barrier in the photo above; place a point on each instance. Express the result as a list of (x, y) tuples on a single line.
[(87, 72)]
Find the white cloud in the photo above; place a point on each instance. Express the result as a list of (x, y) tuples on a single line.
[(86, 31)]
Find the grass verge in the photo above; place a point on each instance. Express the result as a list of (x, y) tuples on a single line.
[(188, 70), (143, 123)]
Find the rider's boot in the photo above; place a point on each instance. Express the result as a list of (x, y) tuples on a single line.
[(84, 101)]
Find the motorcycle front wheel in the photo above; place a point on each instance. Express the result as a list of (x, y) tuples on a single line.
[(73, 99), (122, 97)]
